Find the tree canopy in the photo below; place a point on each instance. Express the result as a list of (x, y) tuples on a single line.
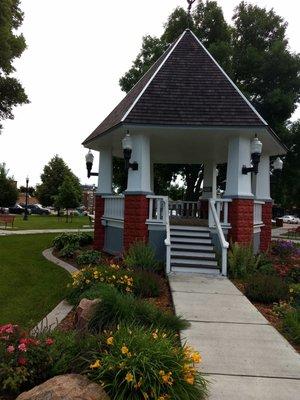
[(68, 195), (12, 46), (253, 51), (54, 175), (9, 193)]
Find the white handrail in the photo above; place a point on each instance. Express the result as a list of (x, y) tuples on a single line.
[(224, 243), (168, 236)]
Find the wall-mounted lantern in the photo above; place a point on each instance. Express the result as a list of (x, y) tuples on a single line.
[(256, 148), (89, 158), (127, 150)]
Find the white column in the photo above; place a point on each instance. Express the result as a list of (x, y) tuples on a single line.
[(261, 181), (209, 180), (238, 184), (139, 181), (105, 172)]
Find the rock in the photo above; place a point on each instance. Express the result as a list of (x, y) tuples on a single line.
[(66, 387), (84, 313)]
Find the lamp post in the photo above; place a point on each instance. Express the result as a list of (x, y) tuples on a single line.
[(256, 148), (89, 159), (25, 218), (127, 151)]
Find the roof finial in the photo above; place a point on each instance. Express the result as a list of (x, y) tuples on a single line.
[(189, 20)]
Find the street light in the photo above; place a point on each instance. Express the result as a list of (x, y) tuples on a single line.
[(89, 158), (256, 148), (127, 150), (278, 164), (25, 218)]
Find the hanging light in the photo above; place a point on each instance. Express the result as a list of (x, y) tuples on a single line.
[(278, 164), (256, 149), (127, 151), (89, 159)]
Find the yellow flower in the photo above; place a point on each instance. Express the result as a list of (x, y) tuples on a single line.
[(190, 379), (96, 364), (166, 377), (196, 357), (154, 334), (110, 340), (124, 350), (129, 377)]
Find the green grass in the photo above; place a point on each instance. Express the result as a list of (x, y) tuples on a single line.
[(47, 222), (30, 286)]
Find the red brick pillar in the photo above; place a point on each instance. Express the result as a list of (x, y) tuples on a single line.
[(240, 216), (135, 215), (265, 232), (99, 230)]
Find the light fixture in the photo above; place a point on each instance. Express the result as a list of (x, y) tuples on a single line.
[(256, 148), (25, 217), (127, 151), (89, 158), (278, 164)]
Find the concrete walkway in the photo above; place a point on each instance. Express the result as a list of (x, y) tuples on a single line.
[(243, 355), (4, 232)]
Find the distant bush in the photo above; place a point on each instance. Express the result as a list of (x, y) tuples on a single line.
[(291, 325), (116, 308), (146, 284), (137, 364), (89, 257), (141, 256), (266, 288)]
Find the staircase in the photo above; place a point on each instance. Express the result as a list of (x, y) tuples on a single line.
[(192, 250)]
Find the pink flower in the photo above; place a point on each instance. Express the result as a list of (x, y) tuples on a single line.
[(8, 328), (49, 341), (22, 347), (22, 361), (10, 349)]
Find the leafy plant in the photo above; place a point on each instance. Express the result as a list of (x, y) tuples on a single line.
[(89, 257), (138, 363), (64, 239), (146, 284), (293, 275), (266, 289), (284, 250), (295, 294), (117, 308), (241, 261), (291, 325), (141, 256), (69, 250)]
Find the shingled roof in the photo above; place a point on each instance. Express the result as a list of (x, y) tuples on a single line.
[(185, 87)]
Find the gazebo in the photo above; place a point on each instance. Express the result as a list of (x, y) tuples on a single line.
[(185, 109)]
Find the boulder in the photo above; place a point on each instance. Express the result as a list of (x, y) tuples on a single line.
[(84, 313), (66, 387)]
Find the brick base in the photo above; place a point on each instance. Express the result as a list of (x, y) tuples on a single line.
[(240, 216), (99, 230), (135, 215), (265, 233)]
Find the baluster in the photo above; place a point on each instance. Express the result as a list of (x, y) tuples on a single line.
[(151, 209), (225, 212), (218, 208), (158, 210)]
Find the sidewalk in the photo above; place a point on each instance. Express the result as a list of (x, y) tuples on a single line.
[(243, 355), (4, 232)]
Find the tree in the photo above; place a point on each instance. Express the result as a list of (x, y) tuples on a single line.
[(254, 52), (68, 195), (30, 190), (11, 47), (53, 176), (8, 190)]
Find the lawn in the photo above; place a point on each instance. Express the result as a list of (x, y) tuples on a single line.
[(48, 222), (30, 286)]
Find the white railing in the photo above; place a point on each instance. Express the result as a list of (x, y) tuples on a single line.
[(257, 212), (114, 207), (217, 224), (221, 208), (184, 209), (159, 214)]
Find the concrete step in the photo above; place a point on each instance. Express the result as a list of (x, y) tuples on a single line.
[(189, 234), (189, 228), (192, 269), (190, 254), (192, 247), (193, 261), (190, 240)]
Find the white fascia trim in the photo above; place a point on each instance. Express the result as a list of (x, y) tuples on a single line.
[(151, 79), (232, 83)]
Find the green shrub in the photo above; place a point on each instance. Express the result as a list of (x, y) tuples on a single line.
[(293, 276), (295, 294), (89, 257), (266, 288), (69, 250), (291, 325), (139, 364), (146, 284), (117, 308), (241, 261), (141, 256), (64, 239), (91, 275)]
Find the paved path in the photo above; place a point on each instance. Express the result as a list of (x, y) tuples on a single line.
[(243, 355), (4, 232)]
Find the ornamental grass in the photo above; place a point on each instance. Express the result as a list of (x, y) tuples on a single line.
[(117, 308), (138, 363)]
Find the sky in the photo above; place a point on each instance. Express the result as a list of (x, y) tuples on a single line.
[(76, 52)]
